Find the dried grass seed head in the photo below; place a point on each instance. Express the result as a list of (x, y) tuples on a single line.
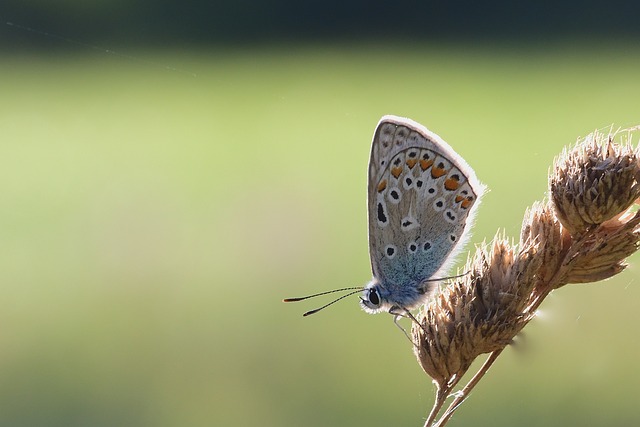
[(478, 314), (594, 182), (542, 230)]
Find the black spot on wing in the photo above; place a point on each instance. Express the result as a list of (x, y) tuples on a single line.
[(381, 216)]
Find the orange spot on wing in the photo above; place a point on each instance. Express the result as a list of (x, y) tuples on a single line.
[(451, 184), (424, 164), (459, 198), (411, 163), (437, 172), (382, 185), (466, 203), (396, 171)]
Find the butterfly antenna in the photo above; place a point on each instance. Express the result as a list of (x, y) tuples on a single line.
[(320, 294), (310, 312)]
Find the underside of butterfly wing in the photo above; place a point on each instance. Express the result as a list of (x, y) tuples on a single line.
[(421, 200)]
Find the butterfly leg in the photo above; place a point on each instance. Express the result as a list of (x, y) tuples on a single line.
[(396, 317), (398, 312)]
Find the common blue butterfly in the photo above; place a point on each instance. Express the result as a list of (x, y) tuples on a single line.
[(422, 199)]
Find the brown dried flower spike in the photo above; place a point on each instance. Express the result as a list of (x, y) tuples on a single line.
[(593, 183), (582, 235)]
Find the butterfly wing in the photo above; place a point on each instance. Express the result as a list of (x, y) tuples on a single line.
[(421, 200)]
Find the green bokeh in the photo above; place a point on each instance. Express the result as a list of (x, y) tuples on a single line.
[(156, 208)]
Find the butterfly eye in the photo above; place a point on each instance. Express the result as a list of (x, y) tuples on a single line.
[(373, 297)]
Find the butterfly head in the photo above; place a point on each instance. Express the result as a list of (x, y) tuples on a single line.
[(374, 298)]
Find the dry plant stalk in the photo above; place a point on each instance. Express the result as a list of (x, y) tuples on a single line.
[(582, 234)]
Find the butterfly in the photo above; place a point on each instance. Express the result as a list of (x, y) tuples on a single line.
[(422, 201)]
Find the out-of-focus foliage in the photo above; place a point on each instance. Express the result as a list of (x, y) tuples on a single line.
[(154, 210), (162, 22)]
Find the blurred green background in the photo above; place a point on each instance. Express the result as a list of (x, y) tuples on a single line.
[(157, 204)]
